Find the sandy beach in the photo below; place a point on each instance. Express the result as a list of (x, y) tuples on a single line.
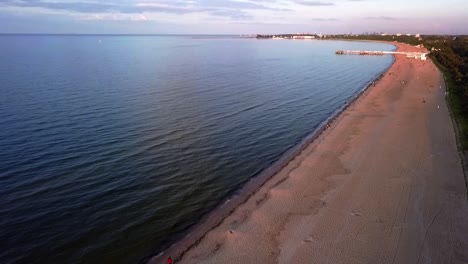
[(383, 184)]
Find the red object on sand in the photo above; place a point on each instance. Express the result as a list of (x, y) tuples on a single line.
[(169, 260)]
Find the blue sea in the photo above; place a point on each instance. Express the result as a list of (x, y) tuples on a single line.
[(112, 147)]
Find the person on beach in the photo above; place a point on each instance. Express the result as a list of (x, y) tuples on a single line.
[(169, 260)]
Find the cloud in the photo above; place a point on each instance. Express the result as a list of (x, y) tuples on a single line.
[(236, 15), (70, 6), (105, 7), (313, 3), (141, 10), (116, 17), (233, 4), (175, 7), (324, 19), (381, 18)]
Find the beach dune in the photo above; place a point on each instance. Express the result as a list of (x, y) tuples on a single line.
[(384, 184)]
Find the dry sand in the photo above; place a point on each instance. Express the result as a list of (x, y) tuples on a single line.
[(383, 185)]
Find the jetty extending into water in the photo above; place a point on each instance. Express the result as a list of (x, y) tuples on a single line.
[(416, 55), (289, 36)]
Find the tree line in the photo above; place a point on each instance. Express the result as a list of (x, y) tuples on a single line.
[(451, 53)]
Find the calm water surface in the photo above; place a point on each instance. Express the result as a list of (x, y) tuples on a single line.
[(112, 146)]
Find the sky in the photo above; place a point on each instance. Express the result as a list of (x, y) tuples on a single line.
[(233, 16)]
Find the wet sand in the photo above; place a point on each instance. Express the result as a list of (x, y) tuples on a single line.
[(384, 184)]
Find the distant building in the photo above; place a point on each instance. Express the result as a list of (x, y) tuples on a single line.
[(303, 37), (418, 35), (398, 34)]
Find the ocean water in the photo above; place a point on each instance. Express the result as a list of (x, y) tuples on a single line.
[(111, 147)]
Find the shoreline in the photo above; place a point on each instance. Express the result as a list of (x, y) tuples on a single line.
[(251, 187), (383, 185)]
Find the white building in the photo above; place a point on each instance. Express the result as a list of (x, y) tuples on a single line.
[(303, 37)]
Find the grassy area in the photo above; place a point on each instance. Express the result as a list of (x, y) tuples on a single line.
[(456, 105), (450, 54)]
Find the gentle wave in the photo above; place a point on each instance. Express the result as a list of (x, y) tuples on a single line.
[(112, 151)]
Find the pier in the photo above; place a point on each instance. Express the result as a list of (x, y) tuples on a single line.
[(416, 55), (360, 52)]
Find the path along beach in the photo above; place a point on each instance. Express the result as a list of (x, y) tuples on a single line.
[(383, 184)]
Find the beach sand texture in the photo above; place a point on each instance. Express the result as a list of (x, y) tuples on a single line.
[(384, 184)]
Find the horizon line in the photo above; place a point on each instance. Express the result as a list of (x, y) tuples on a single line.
[(219, 34)]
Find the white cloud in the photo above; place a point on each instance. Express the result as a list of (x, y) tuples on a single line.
[(115, 17)]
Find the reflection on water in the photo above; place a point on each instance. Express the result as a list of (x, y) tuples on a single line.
[(112, 146)]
